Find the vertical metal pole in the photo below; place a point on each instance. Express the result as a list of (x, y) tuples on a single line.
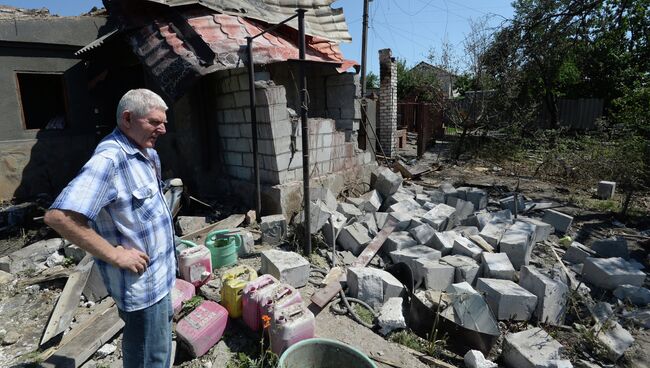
[(251, 88), (305, 131), (364, 45)]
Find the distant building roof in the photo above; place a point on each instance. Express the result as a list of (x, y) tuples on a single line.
[(55, 30)]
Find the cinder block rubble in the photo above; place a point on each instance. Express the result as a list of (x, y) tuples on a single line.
[(465, 247), (576, 253), (402, 220), (497, 266), (288, 267), (609, 273), (518, 245), (337, 220), (369, 222), (373, 286), (423, 234), (436, 276), (442, 217), (409, 255), (349, 210), (551, 295), (561, 222), (371, 201), (507, 300), (274, 228), (532, 348), (444, 241), (636, 295), (391, 316), (466, 268), (387, 181), (318, 213), (492, 232), (398, 240), (606, 189), (611, 247), (354, 238)]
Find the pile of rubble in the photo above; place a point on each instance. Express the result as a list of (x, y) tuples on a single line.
[(473, 265)]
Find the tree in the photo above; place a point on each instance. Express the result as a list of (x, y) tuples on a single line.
[(372, 80)]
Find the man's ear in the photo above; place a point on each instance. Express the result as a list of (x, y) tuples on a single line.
[(126, 119)]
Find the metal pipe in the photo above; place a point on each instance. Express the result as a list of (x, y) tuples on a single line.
[(364, 45), (305, 130), (251, 88), (275, 26)]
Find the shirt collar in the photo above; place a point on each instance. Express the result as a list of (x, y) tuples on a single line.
[(127, 145)]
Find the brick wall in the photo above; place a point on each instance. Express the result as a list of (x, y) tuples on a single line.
[(387, 102)]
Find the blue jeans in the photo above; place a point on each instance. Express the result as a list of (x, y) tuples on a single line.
[(147, 336)]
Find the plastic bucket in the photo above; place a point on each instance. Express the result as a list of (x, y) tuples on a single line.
[(223, 245), (323, 353)]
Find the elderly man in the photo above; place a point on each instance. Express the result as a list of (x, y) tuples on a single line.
[(115, 210)]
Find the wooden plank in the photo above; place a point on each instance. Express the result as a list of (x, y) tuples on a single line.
[(81, 347), (482, 243), (95, 289), (324, 295), (229, 222), (67, 303)]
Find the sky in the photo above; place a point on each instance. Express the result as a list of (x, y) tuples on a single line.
[(410, 28)]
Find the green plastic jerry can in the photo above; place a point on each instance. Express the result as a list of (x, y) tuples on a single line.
[(223, 245)]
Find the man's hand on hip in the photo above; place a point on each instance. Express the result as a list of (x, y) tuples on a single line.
[(130, 259)]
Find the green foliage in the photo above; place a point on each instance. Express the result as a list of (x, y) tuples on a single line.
[(372, 80), (364, 314), (241, 360), (418, 84)]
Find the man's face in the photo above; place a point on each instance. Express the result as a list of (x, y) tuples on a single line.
[(144, 130)]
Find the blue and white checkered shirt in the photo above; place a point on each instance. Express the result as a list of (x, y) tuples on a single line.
[(119, 191)]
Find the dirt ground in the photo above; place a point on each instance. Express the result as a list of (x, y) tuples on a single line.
[(25, 308)]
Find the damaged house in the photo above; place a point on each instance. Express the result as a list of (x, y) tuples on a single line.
[(195, 56)]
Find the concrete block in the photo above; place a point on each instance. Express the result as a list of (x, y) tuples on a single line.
[(561, 222), (497, 266), (442, 217), (503, 216), (475, 359), (478, 197), (26, 258), (5, 278), (395, 198), (492, 232), (371, 201), (444, 241), (409, 255), (422, 199), (518, 246), (436, 275), (380, 218), (288, 267), (542, 229), (464, 209), (448, 190), (609, 273), (636, 295), (407, 206), (372, 285), (507, 300), (368, 220), (402, 220), (325, 195), (391, 316), (435, 196), (354, 238), (274, 228), (533, 348), (465, 247), (466, 268), (318, 214), (428, 206), (466, 231), (398, 240), (612, 247), (348, 210), (387, 181), (615, 339), (423, 234), (576, 253), (190, 224), (551, 295), (508, 203), (606, 189), (74, 252), (338, 221)]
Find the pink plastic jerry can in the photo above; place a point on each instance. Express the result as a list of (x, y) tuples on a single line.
[(282, 296), (202, 328), (252, 297), (290, 325), (195, 265), (181, 292)]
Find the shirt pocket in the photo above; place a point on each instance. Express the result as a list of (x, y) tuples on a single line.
[(146, 202)]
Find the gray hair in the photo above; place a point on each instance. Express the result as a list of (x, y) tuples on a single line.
[(139, 102)]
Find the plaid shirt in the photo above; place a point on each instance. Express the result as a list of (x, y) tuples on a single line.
[(119, 191)]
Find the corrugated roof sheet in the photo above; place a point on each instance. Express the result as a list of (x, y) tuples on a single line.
[(320, 20), (175, 64)]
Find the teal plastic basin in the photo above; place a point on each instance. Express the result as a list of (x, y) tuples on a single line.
[(323, 353)]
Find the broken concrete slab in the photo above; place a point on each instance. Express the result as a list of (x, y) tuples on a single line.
[(287, 267), (561, 222), (423, 234), (371, 201), (552, 295), (398, 240), (325, 195), (611, 247), (387, 181), (442, 217), (26, 258), (497, 266), (349, 210), (518, 245), (532, 348), (475, 359), (541, 228), (609, 273), (391, 316), (318, 213), (369, 222), (466, 268), (336, 222), (507, 300), (274, 228), (373, 286), (606, 189), (354, 238), (409, 255), (576, 253), (465, 247), (492, 232), (636, 295), (444, 241), (436, 275), (189, 224)]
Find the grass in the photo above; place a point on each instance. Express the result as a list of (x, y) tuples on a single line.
[(410, 340), (364, 314)]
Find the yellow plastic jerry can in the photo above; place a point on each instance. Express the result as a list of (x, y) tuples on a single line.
[(233, 282)]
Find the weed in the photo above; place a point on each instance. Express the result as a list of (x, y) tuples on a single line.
[(68, 262), (410, 340), (190, 305), (364, 314)]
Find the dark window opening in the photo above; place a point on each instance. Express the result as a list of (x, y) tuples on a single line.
[(42, 98)]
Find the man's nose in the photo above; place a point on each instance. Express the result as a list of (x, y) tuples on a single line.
[(162, 128)]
